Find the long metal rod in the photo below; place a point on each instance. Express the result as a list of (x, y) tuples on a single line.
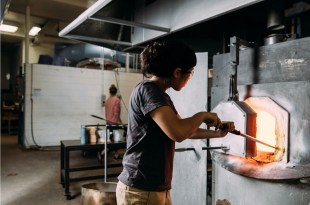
[(98, 117), (208, 148), (184, 149), (256, 140)]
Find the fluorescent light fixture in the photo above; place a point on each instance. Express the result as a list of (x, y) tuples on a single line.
[(34, 30), (8, 28)]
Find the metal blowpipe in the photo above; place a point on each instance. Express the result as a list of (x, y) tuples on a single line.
[(237, 132)]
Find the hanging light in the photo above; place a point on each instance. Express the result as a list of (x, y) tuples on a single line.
[(8, 28), (34, 30)]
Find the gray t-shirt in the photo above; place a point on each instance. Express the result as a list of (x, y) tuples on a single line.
[(148, 161)]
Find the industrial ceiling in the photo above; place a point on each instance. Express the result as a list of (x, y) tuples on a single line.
[(129, 25), (205, 25), (51, 15)]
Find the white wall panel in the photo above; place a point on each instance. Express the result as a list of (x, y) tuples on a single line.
[(63, 98), (190, 100)]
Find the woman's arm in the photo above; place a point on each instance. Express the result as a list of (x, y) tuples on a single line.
[(179, 129), (204, 133)]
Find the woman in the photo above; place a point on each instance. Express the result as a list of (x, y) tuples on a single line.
[(154, 125), (113, 107)]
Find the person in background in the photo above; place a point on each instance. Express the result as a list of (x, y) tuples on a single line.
[(112, 113), (113, 107), (154, 125)]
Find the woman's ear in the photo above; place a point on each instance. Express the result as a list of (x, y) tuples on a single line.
[(177, 73)]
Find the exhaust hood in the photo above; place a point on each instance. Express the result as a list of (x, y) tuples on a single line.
[(129, 25), (205, 25), (107, 23)]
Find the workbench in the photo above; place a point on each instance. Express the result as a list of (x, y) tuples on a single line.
[(68, 146), (9, 114)]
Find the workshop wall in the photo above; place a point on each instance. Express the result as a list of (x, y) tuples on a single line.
[(191, 99), (58, 100)]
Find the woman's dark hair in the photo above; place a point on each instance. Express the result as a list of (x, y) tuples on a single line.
[(161, 58), (113, 89)]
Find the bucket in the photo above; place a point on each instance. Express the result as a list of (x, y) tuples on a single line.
[(98, 194), (118, 135), (102, 135)]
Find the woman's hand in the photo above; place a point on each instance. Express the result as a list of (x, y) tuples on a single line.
[(220, 133), (212, 120), (227, 126), (205, 134)]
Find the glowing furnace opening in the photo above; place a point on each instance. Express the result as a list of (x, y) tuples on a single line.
[(271, 127)]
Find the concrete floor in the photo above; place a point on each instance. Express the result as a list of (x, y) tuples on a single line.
[(32, 177)]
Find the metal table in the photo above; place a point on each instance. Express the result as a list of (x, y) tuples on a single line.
[(74, 145)]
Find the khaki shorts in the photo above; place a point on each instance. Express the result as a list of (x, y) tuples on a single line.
[(127, 195)]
